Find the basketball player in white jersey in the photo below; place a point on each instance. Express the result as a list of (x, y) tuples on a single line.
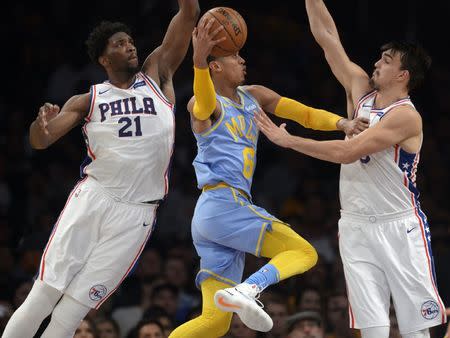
[(384, 237), (129, 131)]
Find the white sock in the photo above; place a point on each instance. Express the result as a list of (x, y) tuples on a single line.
[(418, 334), (375, 332), (66, 318), (26, 320)]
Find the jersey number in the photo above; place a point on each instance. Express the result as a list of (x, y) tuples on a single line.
[(249, 162), (124, 132)]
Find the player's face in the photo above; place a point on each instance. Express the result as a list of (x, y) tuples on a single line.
[(387, 70), (120, 54), (233, 69)]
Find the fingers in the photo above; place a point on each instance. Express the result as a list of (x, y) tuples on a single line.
[(46, 113)]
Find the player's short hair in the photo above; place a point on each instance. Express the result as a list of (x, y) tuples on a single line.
[(98, 39), (414, 58)]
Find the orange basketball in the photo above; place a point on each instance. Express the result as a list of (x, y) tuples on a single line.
[(235, 30)]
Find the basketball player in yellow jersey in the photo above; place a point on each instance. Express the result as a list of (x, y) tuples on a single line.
[(384, 235), (226, 224)]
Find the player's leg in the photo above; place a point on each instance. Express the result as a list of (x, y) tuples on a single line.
[(365, 275), (66, 317), (290, 255), (418, 334), (375, 332), (212, 322), (39, 303), (407, 255)]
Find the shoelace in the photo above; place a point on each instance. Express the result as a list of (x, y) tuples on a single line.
[(255, 298)]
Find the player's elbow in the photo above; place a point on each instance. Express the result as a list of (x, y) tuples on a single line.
[(191, 10)]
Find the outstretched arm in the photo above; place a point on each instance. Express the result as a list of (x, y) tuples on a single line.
[(162, 63), (51, 123), (352, 77), (391, 130), (309, 117)]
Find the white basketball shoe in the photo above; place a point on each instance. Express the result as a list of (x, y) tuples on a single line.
[(243, 299)]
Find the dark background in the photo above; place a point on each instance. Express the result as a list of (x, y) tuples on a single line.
[(44, 60)]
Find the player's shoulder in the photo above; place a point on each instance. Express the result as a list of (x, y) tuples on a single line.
[(404, 115)]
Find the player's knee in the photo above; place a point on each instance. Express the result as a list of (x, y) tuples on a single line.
[(311, 254), (417, 334)]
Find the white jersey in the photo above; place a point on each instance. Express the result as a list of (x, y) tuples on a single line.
[(383, 182), (129, 136)]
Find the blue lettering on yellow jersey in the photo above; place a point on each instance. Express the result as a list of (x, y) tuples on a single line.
[(227, 150)]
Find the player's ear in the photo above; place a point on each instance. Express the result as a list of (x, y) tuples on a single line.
[(104, 61), (215, 66), (404, 75)]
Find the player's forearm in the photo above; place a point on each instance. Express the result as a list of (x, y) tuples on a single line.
[(306, 116), (332, 151), (38, 139), (205, 95), (321, 22)]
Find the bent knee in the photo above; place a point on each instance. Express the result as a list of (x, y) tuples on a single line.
[(310, 254)]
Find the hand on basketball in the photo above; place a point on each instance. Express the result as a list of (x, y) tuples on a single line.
[(278, 135), (203, 41), (353, 127), (47, 112)]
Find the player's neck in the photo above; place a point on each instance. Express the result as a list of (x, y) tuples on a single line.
[(229, 92), (386, 97), (121, 80)]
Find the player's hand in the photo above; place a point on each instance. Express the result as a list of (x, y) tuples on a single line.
[(353, 127), (47, 112), (278, 135), (203, 41)]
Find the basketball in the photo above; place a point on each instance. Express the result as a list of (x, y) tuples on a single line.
[(235, 30)]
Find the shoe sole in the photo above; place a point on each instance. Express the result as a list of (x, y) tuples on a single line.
[(250, 314)]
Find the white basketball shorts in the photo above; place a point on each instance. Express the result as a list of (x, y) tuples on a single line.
[(390, 255), (95, 242)]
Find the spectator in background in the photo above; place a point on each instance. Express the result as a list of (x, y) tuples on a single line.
[(107, 328), (310, 299), (147, 328), (86, 329), (306, 324), (277, 309), (338, 317)]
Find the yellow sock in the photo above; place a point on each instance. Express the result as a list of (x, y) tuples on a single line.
[(291, 254), (212, 323)]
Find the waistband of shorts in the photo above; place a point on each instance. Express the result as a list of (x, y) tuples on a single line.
[(221, 185), (92, 182), (378, 218)]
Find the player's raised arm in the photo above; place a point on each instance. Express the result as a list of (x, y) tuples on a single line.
[(51, 123), (354, 79), (165, 59)]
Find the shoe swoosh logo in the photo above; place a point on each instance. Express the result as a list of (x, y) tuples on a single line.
[(222, 302), (409, 230), (103, 92), (146, 225)]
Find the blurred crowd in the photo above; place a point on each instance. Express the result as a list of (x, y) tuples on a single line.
[(48, 63)]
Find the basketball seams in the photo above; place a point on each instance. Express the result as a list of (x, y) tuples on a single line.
[(231, 37), (240, 20)]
